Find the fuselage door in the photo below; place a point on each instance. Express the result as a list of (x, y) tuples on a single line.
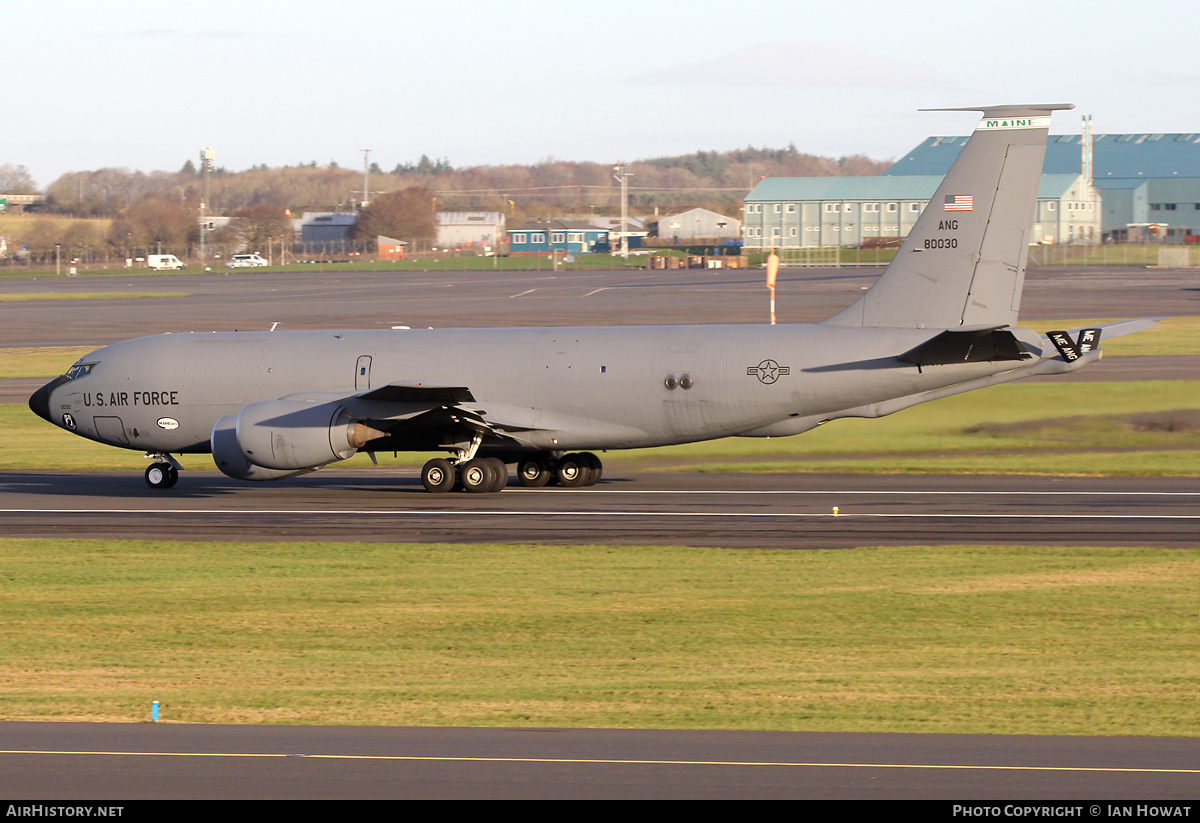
[(362, 373), (110, 429)]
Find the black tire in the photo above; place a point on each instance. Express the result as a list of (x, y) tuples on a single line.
[(437, 476), (595, 467), (573, 471), (500, 471), (161, 476), (476, 476), (534, 472)]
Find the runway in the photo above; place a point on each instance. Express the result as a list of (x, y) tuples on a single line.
[(780, 511), (736, 512), (248, 300), (105, 761)]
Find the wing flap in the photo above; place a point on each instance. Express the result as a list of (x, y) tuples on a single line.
[(420, 392)]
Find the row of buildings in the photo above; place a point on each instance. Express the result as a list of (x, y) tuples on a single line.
[(488, 232), (1110, 187)]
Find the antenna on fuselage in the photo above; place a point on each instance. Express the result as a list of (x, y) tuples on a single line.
[(772, 271)]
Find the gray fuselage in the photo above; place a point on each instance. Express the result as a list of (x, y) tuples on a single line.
[(550, 388)]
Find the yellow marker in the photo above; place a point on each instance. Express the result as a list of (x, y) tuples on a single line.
[(835, 511)]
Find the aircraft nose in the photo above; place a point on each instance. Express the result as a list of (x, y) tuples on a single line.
[(39, 401)]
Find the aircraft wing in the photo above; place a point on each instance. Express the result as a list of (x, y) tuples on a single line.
[(419, 405)]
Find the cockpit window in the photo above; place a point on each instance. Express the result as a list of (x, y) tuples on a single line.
[(79, 370)]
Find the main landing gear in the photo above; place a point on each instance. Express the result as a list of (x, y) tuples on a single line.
[(490, 474), (163, 472), (478, 475)]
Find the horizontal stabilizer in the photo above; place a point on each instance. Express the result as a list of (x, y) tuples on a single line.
[(982, 345)]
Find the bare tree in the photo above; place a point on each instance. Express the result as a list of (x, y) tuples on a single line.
[(151, 223), (16, 180), (254, 224), (405, 215)]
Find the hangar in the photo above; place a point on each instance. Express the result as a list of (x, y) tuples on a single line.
[(797, 212), (1137, 181)]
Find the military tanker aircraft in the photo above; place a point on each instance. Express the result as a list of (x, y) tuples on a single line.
[(939, 321)]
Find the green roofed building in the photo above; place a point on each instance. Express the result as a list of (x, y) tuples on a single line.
[(1146, 179), (797, 212)]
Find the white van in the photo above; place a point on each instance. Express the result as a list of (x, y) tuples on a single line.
[(163, 262)]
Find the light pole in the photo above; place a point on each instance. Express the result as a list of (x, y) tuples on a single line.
[(622, 176), (366, 178), (206, 161)]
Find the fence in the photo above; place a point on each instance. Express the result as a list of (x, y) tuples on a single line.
[(1125, 254)]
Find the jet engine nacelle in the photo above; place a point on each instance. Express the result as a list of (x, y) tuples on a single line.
[(230, 460), (290, 435)]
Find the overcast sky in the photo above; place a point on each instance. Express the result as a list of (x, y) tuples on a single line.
[(146, 85)]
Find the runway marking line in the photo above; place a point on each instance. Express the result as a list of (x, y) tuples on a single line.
[(880, 492), (613, 761), (587, 513)]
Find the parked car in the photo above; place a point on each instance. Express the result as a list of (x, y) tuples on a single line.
[(245, 261)]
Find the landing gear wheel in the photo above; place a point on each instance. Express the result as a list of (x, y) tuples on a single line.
[(500, 472), (573, 471), (161, 476), (437, 476), (595, 468), (476, 476), (534, 472)]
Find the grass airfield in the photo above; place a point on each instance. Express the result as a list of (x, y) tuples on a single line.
[(962, 639)]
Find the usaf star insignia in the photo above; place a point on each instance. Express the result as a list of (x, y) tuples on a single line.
[(768, 371)]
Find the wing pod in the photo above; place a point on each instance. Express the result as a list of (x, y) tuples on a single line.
[(290, 435)]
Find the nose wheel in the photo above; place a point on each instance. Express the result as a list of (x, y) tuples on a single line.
[(161, 476), (163, 472)]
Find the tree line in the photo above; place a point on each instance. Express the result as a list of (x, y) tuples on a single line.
[(148, 210)]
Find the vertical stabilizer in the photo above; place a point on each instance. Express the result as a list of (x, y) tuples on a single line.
[(963, 263)]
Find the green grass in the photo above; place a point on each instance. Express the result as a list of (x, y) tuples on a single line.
[(1132, 427), (39, 361), (1122, 428), (967, 639), (1131, 254), (439, 263), (27, 297)]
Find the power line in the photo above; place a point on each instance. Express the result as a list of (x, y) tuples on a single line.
[(611, 189)]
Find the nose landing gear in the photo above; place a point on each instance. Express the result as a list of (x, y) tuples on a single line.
[(163, 473)]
